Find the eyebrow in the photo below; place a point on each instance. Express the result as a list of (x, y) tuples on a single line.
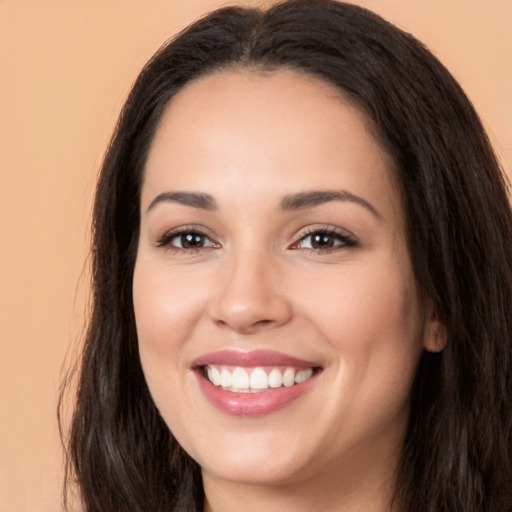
[(289, 203), (194, 199), (303, 200)]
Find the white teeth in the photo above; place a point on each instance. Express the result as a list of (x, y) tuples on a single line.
[(289, 377), (303, 375), (247, 380), (259, 379), (240, 379), (225, 378), (214, 376), (275, 379)]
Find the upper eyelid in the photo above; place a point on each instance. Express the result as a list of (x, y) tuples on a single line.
[(164, 239), (188, 228), (347, 238), (310, 230), (298, 237)]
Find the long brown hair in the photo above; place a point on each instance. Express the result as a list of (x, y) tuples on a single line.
[(458, 450)]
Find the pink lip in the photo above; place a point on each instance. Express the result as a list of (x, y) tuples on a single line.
[(254, 358), (251, 404)]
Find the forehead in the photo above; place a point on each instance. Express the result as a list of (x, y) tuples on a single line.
[(257, 103), (280, 130)]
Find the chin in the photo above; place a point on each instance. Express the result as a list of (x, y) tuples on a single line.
[(253, 469)]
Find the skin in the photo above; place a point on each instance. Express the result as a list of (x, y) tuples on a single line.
[(248, 139)]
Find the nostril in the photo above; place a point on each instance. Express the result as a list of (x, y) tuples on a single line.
[(247, 306), (245, 327)]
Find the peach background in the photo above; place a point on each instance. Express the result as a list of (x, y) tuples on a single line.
[(65, 68)]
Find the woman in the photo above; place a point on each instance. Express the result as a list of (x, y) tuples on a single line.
[(302, 280)]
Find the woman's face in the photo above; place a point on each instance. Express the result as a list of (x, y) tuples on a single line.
[(278, 318)]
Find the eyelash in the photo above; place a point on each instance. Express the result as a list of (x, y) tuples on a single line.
[(344, 240), (167, 238)]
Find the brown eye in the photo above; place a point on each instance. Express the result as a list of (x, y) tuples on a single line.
[(322, 241), (189, 240), (325, 240)]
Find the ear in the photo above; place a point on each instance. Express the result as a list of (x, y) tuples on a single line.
[(435, 335)]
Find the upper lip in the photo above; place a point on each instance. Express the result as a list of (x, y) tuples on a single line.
[(251, 359)]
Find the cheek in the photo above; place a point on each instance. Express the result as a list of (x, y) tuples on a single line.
[(384, 306), (376, 299), (373, 322), (167, 306), (372, 318)]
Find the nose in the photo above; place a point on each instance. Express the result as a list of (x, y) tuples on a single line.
[(252, 296)]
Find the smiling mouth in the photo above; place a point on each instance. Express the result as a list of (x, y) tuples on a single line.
[(238, 379), (254, 383)]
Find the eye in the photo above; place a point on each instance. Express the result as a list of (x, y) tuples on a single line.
[(186, 240), (325, 240)]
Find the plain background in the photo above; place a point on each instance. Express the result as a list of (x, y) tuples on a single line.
[(65, 69)]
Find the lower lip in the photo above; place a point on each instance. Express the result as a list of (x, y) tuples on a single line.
[(252, 404)]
